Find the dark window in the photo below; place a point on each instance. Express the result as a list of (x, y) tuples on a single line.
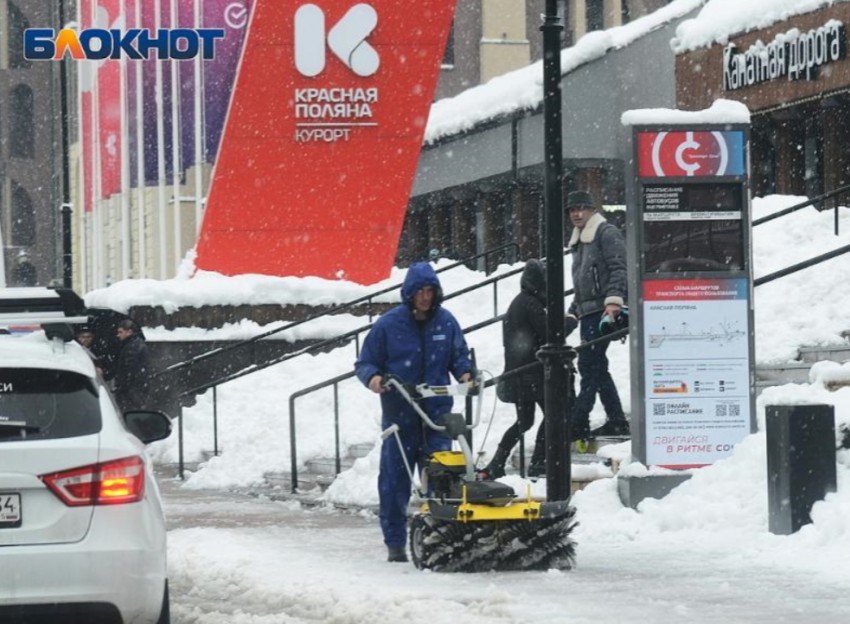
[(704, 238), (813, 153), (449, 55), (18, 23), (21, 126), (38, 404), (595, 15), (23, 217), (625, 12)]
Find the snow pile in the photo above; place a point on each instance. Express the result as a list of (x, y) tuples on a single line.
[(720, 112), (830, 374), (321, 328), (522, 89), (206, 288), (808, 307), (720, 19)]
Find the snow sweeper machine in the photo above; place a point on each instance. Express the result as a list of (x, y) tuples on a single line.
[(465, 524)]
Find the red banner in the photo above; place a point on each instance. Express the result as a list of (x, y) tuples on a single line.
[(109, 106), (86, 84), (323, 137)]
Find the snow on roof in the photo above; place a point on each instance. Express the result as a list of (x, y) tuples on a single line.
[(720, 19), (207, 288), (721, 112), (36, 351), (522, 89)]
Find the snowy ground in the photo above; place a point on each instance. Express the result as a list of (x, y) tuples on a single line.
[(703, 554), (248, 561)]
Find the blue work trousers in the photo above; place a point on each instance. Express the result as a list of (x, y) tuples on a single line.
[(394, 481)]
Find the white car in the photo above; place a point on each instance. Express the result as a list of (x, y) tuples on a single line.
[(82, 531)]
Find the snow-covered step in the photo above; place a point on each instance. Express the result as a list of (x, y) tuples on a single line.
[(174, 469), (283, 481), (326, 466), (209, 454), (836, 353), (791, 372), (360, 450)]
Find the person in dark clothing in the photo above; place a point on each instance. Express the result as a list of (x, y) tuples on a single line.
[(600, 283), (523, 333), (132, 371), (417, 342), (24, 272)]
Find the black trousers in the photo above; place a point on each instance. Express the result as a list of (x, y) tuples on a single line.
[(525, 410)]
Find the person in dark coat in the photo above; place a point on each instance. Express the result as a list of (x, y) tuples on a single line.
[(523, 333), (600, 283), (132, 371), (418, 342), (24, 272)]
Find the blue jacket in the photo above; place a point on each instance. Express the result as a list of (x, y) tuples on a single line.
[(415, 353)]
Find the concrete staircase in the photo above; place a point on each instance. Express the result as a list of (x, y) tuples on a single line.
[(798, 371), (318, 473)]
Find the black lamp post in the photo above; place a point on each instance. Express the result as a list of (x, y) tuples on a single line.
[(556, 356), (65, 128)]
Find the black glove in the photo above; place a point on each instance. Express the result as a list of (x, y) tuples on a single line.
[(570, 324)]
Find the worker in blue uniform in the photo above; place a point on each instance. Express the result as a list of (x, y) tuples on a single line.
[(418, 341)]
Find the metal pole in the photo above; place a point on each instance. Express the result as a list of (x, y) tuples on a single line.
[(180, 463), (67, 258), (215, 420), (555, 353), (338, 460)]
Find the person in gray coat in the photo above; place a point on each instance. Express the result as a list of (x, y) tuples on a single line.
[(600, 283)]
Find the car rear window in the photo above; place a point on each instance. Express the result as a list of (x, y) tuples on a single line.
[(39, 404)]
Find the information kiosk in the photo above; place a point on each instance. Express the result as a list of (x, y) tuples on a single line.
[(690, 294)]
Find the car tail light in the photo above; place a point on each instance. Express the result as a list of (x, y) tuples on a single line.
[(110, 483)]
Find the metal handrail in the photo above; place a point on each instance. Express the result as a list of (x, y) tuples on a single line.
[(811, 202), (368, 298), (354, 333), (801, 265), (528, 367), (335, 381), (341, 307)]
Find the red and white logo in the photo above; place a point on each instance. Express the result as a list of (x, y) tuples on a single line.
[(688, 154)]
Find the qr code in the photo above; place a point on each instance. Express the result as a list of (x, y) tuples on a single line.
[(734, 410), (720, 409), (659, 409)]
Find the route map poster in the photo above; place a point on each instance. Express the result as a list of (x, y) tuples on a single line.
[(697, 365)]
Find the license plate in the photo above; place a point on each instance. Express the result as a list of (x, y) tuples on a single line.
[(10, 511)]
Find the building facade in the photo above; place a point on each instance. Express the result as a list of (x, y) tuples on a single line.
[(481, 188), (31, 159), (492, 37), (795, 78)]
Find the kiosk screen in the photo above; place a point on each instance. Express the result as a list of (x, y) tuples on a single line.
[(693, 228)]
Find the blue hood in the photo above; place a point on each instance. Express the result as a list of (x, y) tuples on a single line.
[(418, 277)]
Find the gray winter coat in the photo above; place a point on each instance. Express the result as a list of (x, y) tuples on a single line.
[(599, 267)]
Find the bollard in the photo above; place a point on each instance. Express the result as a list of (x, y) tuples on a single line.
[(800, 463)]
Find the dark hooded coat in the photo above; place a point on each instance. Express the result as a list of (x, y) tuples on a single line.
[(524, 331), (132, 374)]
